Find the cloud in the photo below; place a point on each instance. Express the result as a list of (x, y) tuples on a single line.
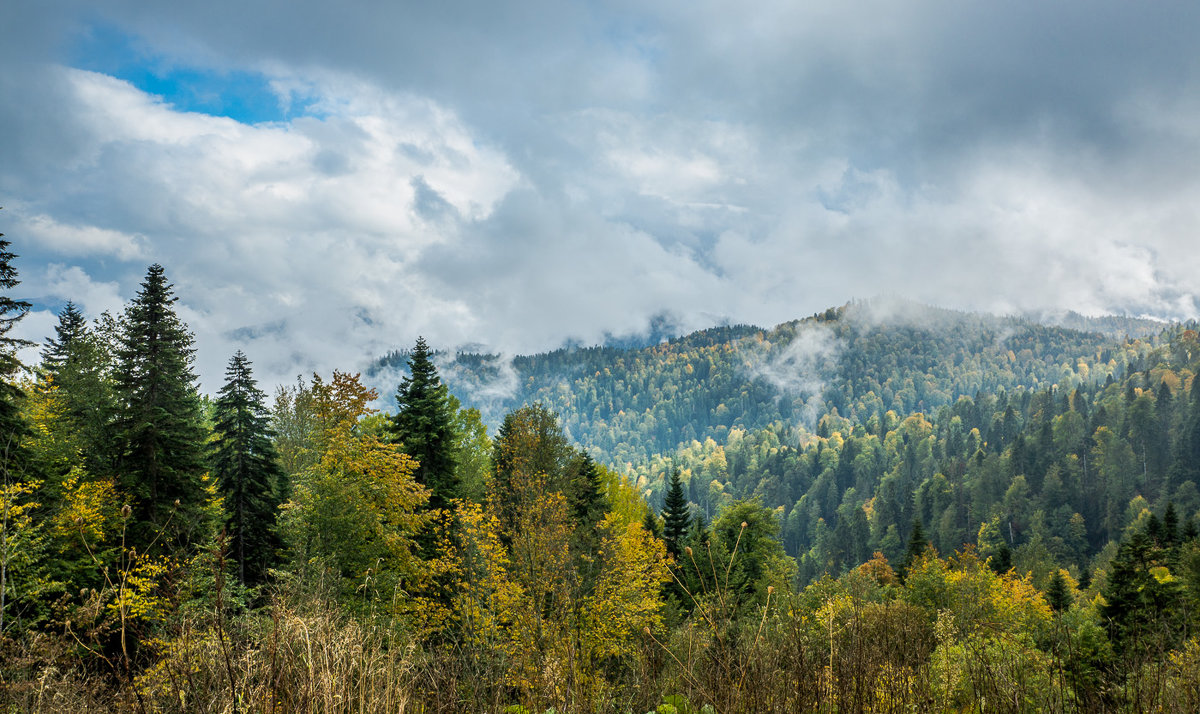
[(518, 175), (799, 369), (78, 241)]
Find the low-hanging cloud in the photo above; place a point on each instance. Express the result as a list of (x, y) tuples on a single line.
[(542, 172), (799, 370)]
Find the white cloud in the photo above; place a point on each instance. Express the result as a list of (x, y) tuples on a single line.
[(544, 171), (78, 241)]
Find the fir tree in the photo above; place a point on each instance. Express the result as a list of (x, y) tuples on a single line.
[(1058, 594), (423, 427), (528, 443), (588, 502), (78, 362), (69, 332), (676, 515), (917, 543), (652, 524), (247, 470), (11, 311), (1187, 460), (159, 431), (1001, 562)]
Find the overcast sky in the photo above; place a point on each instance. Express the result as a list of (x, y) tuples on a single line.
[(325, 181)]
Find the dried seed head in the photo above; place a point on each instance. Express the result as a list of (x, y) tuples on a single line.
[(125, 511), (743, 524), (770, 589), (688, 550), (177, 503)]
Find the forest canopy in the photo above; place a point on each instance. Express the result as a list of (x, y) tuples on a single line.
[(866, 509)]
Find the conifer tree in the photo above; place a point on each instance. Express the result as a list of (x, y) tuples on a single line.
[(917, 543), (423, 427), (158, 426), (676, 515), (247, 470), (12, 426), (11, 312), (1187, 459), (588, 503), (69, 332), (78, 362), (530, 447), (1058, 594)]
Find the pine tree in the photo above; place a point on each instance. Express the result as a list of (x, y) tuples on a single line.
[(676, 515), (11, 311), (69, 332), (529, 447), (12, 426), (247, 469), (587, 499), (917, 543), (78, 362), (158, 426), (1058, 594), (1187, 459), (423, 426)]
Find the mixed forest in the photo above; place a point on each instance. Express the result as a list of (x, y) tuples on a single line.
[(878, 508)]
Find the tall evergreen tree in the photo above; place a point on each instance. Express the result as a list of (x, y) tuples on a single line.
[(676, 515), (247, 469), (158, 426), (12, 426), (530, 447), (587, 499), (1187, 458), (11, 312), (1058, 593), (423, 426), (69, 332), (917, 544), (78, 362)]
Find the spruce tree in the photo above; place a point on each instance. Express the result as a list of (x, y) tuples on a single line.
[(1058, 594), (78, 362), (676, 515), (917, 543), (588, 502), (158, 426), (13, 429), (12, 426), (423, 427), (70, 331), (247, 469), (1187, 458)]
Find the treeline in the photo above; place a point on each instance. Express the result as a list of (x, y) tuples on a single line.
[(1049, 477), (161, 550), (859, 361), (155, 543)]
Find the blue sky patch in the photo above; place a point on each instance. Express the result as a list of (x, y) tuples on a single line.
[(244, 96)]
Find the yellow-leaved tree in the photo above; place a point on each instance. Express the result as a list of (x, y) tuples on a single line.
[(355, 511)]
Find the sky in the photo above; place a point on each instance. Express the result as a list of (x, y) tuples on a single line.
[(323, 182)]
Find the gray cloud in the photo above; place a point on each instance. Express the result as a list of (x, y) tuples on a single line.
[(524, 173)]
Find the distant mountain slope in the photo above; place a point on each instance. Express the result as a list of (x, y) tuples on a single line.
[(862, 360)]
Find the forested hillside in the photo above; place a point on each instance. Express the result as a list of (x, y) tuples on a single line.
[(858, 420), (862, 360), (869, 510)]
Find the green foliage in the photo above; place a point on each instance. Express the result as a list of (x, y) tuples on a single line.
[(423, 427), (676, 514), (246, 467), (159, 431)]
